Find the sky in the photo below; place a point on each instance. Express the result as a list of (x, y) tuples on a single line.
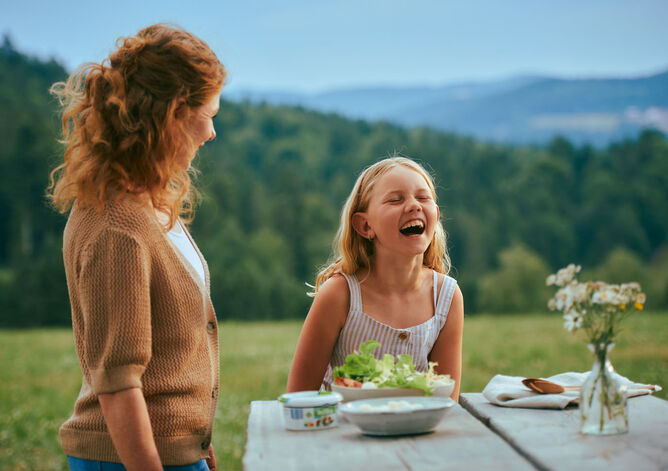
[(318, 45)]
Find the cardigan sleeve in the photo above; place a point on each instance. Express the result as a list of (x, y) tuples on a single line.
[(114, 293)]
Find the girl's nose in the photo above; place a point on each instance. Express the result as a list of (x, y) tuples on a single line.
[(212, 134), (413, 204)]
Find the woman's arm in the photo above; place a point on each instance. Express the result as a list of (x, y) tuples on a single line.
[(447, 350), (127, 419), (319, 334)]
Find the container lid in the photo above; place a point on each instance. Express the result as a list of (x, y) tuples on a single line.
[(310, 398)]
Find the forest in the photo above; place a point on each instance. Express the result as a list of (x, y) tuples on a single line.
[(275, 178)]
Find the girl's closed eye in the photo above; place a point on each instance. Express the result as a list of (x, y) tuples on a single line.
[(394, 198)]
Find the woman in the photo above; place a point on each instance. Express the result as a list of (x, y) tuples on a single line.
[(144, 326)]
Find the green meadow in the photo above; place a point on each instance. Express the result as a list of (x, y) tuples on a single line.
[(41, 379)]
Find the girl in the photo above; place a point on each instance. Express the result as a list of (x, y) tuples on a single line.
[(144, 326), (388, 281)]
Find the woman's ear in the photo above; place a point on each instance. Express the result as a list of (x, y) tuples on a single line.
[(181, 108), (362, 227)]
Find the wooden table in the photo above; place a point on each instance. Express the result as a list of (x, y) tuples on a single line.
[(475, 435), (550, 439)]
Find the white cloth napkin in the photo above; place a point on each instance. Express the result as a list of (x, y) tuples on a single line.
[(509, 391)]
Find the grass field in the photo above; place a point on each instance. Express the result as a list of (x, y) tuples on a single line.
[(41, 378)]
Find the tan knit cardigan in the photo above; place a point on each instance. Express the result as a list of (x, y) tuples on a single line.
[(142, 318)]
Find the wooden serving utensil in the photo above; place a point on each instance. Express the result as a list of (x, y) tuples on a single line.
[(543, 386)]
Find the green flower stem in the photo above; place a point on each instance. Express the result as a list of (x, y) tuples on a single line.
[(606, 408)]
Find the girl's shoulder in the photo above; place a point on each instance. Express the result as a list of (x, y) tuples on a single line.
[(444, 279), (335, 286), (448, 289), (333, 297)]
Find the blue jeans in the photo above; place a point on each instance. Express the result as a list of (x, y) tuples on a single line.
[(78, 464)]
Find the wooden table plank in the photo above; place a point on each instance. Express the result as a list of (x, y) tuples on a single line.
[(550, 439), (459, 442)]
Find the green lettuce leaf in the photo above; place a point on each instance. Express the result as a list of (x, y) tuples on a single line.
[(360, 366), (386, 373)]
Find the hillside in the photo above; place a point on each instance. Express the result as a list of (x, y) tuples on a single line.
[(521, 110)]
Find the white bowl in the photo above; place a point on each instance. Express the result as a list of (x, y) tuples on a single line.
[(310, 410), (405, 421), (355, 394)]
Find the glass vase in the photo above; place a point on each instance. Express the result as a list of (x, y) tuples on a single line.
[(603, 398)]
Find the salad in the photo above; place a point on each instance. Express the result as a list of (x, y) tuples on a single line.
[(363, 370)]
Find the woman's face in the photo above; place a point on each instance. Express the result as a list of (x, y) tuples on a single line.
[(200, 125)]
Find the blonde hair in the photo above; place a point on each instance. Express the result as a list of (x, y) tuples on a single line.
[(124, 126), (353, 252)]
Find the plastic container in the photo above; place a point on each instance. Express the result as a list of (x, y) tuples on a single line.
[(310, 410)]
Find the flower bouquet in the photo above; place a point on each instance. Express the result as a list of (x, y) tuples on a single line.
[(597, 308)]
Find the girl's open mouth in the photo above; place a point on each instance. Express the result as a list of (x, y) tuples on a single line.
[(415, 227)]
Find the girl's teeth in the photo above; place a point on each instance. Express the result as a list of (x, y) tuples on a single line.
[(413, 224)]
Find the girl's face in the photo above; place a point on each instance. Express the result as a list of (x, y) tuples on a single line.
[(200, 125), (402, 214)]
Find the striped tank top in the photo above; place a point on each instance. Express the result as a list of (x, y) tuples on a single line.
[(417, 341)]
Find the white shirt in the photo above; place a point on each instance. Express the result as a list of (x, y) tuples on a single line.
[(182, 242)]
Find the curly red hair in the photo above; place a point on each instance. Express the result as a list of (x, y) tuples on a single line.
[(124, 121)]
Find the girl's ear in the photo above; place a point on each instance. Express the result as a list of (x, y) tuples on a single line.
[(362, 227)]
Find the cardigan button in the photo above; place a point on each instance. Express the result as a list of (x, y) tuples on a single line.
[(403, 336), (210, 327)]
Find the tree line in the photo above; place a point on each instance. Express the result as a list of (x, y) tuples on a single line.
[(275, 178)]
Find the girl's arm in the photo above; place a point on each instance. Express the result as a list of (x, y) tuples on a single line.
[(319, 334), (447, 350), (127, 419)]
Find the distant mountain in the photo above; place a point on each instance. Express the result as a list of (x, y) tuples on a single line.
[(528, 109)]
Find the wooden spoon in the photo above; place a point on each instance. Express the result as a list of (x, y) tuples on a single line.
[(544, 386)]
